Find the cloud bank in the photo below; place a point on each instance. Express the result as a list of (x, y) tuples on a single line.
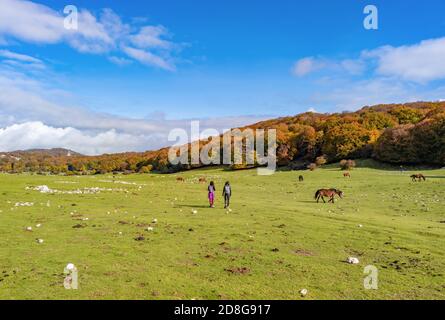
[(103, 34)]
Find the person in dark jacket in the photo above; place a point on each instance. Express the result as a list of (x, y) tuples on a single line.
[(227, 193)]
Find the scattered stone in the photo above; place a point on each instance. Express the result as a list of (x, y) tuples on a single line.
[(303, 292), (24, 204), (352, 260)]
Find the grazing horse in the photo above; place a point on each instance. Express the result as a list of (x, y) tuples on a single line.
[(330, 193), (180, 179), (346, 175), (418, 177), (202, 180), (301, 178)]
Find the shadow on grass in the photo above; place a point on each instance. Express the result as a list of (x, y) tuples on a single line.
[(193, 206)]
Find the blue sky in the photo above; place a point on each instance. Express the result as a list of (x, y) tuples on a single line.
[(137, 68)]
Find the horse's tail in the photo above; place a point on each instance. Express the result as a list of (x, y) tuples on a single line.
[(424, 178), (317, 194)]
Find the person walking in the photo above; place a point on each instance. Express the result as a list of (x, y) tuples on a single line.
[(211, 188), (227, 193)]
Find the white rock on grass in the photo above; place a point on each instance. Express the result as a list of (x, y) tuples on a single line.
[(194, 211), (155, 221), (352, 260), (150, 229), (303, 292), (43, 189), (38, 225), (24, 204), (39, 241), (28, 228)]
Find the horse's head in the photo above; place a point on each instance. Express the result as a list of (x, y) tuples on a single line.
[(340, 193)]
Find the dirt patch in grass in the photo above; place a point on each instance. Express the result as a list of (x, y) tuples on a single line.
[(79, 226), (303, 252), (238, 270)]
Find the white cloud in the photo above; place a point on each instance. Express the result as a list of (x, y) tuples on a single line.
[(21, 61), (151, 37), (421, 62), (18, 56), (35, 115), (31, 22), (352, 95), (148, 58), (30, 135), (307, 65), (120, 61)]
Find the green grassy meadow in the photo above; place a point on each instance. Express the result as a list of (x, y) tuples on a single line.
[(276, 240)]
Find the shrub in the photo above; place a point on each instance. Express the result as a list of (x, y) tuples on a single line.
[(347, 164), (321, 161)]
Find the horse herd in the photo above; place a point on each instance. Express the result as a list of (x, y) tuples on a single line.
[(331, 193), (322, 193)]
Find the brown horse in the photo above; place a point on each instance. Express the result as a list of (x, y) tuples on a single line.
[(202, 180), (418, 177), (301, 178), (180, 179), (330, 193), (346, 175)]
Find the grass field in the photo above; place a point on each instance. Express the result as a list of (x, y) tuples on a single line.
[(276, 240)]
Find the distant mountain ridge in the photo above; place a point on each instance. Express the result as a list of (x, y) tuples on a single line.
[(54, 152)]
